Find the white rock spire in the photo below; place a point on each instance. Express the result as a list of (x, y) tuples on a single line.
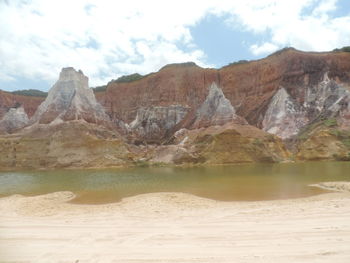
[(70, 99)]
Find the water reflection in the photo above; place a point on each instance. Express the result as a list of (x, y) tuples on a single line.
[(240, 182)]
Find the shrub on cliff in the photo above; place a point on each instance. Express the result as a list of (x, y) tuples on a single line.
[(127, 78), (100, 88), (343, 49), (237, 62), (30, 92)]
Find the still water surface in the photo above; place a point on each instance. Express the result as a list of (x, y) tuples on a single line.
[(239, 182)]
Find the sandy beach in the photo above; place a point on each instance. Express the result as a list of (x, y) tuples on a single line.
[(175, 227)]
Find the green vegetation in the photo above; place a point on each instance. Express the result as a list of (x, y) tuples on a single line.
[(185, 64), (303, 136), (306, 130), (243, 61), (342, 135), (278, 52), (270, 137), (330, 122), (343, 49), (100, 88), (335, 133), (338, 157), (346, 142), (258, 142), (127, 78), (30, 92)]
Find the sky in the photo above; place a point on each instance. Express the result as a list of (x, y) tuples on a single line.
[(108, 39)]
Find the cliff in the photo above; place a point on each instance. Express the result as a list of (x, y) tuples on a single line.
[(9, 100), (14, 119), (68, 129), (250, 88), (70, 99), (71, 144), (243, 112)]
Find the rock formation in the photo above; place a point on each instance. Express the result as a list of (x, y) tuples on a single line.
[(215, 110), (284, 117), (153, 123), (196, 115), (9, 100), (226, 144), (71, 130), (70, 99), (67, 144), (14, 119)]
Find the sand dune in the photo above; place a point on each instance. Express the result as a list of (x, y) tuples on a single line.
[(174, 227)]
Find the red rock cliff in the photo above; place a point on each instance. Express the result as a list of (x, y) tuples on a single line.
[(9, 100), (249, 86)]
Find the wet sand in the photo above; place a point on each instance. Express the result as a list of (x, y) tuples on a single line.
[(175, 227)]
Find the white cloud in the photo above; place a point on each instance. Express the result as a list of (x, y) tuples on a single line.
[(303, 24), (109, 38), (263, 48), (103, 38)]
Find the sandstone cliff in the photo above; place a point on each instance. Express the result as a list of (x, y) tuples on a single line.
[(226, 115), (70, 99), (68, 144), (69, 129), (15, 118), (215, 110), (9, 100), (288, 77), (221, 144)]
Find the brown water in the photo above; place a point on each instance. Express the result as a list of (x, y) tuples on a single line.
[(240, 182)]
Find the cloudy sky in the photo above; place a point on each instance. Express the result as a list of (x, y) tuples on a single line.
[(107, 39)]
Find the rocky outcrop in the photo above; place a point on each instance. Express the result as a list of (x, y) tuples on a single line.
[(284, 116), (227, 144), (185, 85), (215, 110), (70, 99), (153, 123), (198, 115), (325, 99), (9, 100), (68, 144), (249, 87), (14, 119), (324, 143)]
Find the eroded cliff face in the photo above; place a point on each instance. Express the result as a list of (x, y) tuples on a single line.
[(286, 116), (14, 119), (324, 140), (69, 129), (158, 123), (249, 87), (215, 110), (68, 144), (185, 85), (222, 144), (153, 123), (70, 99), (9, 100), (231, 115)]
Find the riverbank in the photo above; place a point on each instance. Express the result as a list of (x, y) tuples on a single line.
[(175, 227)]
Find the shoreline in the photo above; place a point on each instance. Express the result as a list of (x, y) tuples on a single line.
[(161, 164), (175, 227)]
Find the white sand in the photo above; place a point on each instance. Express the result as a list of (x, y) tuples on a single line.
[(169, 227)]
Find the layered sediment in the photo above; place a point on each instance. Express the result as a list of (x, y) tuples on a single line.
[(243, 112), (70, 99)]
